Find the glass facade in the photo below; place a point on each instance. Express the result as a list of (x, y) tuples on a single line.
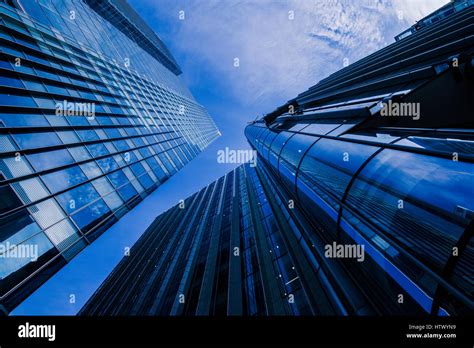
[(445, 11), (93, 118), (235, 254), (254, 241), (333, 173), (401, 186), (410, 208)]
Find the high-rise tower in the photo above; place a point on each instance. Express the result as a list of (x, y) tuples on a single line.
[(94, 116)]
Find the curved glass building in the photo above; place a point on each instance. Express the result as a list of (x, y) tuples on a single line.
[(255, 242), (381, 154), (398, 194)]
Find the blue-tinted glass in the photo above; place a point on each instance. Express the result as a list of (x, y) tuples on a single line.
[(34, 85), (50, 159), (87, 135), (16, 100), (127, 192), (291, 156), (90, 215), (15, 269), (42, 76), (167, 163), (321, 128), (146, 181), (10, 82), (112, 132), (17, 227), (157, 169), (97, 150), (87, 95), (73, 92), (121, 145), (77, 121), (137, 169), (23, 120), (138, 142), (91, 169), (296, 127), (118, 178), (24, 67), (264, 146), (78, 197), (296, 147), (330, 164), (38, 59), (131, 131), (453, 143), (277, 145), (422, 203), (45, 102), (386, 281), (41, 72), (107, 164), (79, 153), (11, 50), (8, 37), (129, 157), (57, 90), (373, 135), (61, 180), (26, 42), (463, 270), (36, 140), (324, 175)]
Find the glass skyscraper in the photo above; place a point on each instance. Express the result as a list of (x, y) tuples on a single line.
[(361, 203), (93, 117), (226, 250)]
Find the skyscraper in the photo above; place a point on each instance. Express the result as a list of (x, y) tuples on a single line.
[(361, 203), (226, 250), (94, 116)]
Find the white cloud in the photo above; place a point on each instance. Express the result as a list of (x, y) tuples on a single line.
[(279, 57), (414, 10)]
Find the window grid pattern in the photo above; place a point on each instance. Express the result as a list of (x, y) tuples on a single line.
[(69, 176), (201, 272), (369, 187)]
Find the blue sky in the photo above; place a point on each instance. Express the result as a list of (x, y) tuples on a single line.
[(283, 47)]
